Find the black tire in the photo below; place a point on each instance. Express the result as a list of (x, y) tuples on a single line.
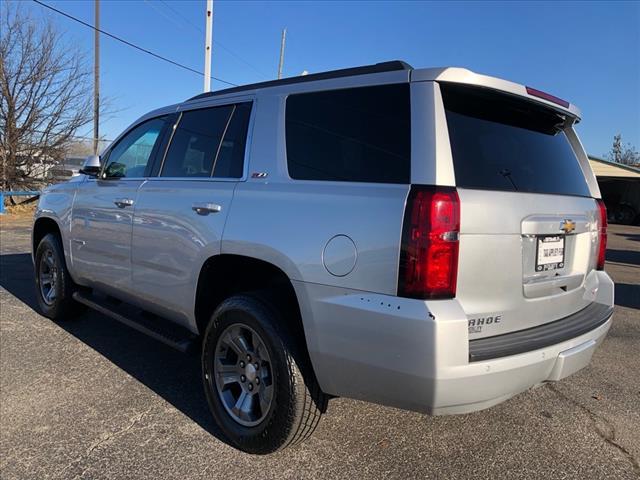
[(297, 402), (627, 215), (61, 306)]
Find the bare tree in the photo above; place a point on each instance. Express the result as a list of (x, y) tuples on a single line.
[(616, 149), (626, 155), (45, 97)]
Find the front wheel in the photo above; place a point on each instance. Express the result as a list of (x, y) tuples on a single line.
[(253, 380), (54, 286)]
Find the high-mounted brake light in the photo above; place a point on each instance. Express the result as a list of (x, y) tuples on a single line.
[(430, 239), (602, 234), (547, 96)]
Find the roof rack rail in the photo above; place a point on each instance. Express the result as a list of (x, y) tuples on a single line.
[(390, 66)]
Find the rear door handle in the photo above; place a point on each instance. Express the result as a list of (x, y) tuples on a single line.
[(205, 208), (123, 202)]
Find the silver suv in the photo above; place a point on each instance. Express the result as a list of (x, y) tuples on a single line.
[(429, 239)]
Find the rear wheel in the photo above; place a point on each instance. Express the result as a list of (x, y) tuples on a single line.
[(54, 286), (253, 378)]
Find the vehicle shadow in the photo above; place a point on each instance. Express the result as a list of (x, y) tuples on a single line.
[(172, 375)]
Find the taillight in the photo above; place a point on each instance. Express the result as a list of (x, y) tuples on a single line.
[(430, 238), (602, 234)]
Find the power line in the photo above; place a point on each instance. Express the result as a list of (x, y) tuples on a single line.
[(55, 134), (238, 57), (164, 15), (160, 57), (228, 50), (177, 12)]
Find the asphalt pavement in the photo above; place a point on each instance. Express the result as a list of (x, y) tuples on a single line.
[(92, 399)]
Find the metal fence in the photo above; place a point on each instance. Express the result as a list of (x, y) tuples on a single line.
[(19, 193)]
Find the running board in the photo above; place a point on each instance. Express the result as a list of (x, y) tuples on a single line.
[(157, 328)]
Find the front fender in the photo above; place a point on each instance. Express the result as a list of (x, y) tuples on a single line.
[(56, 204)]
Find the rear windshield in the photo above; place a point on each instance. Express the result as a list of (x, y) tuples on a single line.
[(500, 142)]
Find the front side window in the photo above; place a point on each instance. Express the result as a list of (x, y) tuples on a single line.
[(355, 135), (130, 156)]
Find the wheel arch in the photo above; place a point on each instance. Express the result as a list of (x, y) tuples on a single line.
[(224, 275), (41, 227)]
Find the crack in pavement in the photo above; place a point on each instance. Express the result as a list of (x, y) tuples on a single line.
[(609, 437), (132, 423)]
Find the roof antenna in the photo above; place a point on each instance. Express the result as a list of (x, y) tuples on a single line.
[(284, 38)]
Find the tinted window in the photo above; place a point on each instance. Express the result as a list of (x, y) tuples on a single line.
[(195, 142), (129, 157), (500, 142), (356, 134), (230, 161)]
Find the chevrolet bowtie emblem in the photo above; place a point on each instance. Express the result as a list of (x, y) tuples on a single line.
[(568, 226)]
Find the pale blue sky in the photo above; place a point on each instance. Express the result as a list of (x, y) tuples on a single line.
[(585, 52)]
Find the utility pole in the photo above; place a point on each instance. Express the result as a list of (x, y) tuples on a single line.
[(207, 46), (284, 38), (96, 77)]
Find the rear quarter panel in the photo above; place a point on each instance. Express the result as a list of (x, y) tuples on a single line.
[(289, 225)]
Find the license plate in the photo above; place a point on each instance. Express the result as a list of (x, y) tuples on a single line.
[(550, 253)]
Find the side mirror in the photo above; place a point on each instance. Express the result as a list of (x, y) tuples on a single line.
[(91, 166)]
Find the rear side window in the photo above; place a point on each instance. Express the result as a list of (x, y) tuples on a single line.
[(195, 142), (230, 161), (354, 135), (501, 142)]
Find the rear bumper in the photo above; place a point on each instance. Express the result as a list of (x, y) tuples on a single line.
[(416, 355), (548, 334), (483, 384)]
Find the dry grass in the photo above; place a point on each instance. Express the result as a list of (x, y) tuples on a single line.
[(20, 211)]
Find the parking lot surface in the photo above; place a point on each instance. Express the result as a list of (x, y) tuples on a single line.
[(93, 399)]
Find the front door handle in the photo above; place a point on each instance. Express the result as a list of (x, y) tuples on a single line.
[(205, 208), (123, 202)]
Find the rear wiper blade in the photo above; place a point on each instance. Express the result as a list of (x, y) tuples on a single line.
[(506, 173), (561, 123)]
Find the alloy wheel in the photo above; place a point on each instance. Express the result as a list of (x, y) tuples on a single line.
[(48, 276), (243, 374)]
